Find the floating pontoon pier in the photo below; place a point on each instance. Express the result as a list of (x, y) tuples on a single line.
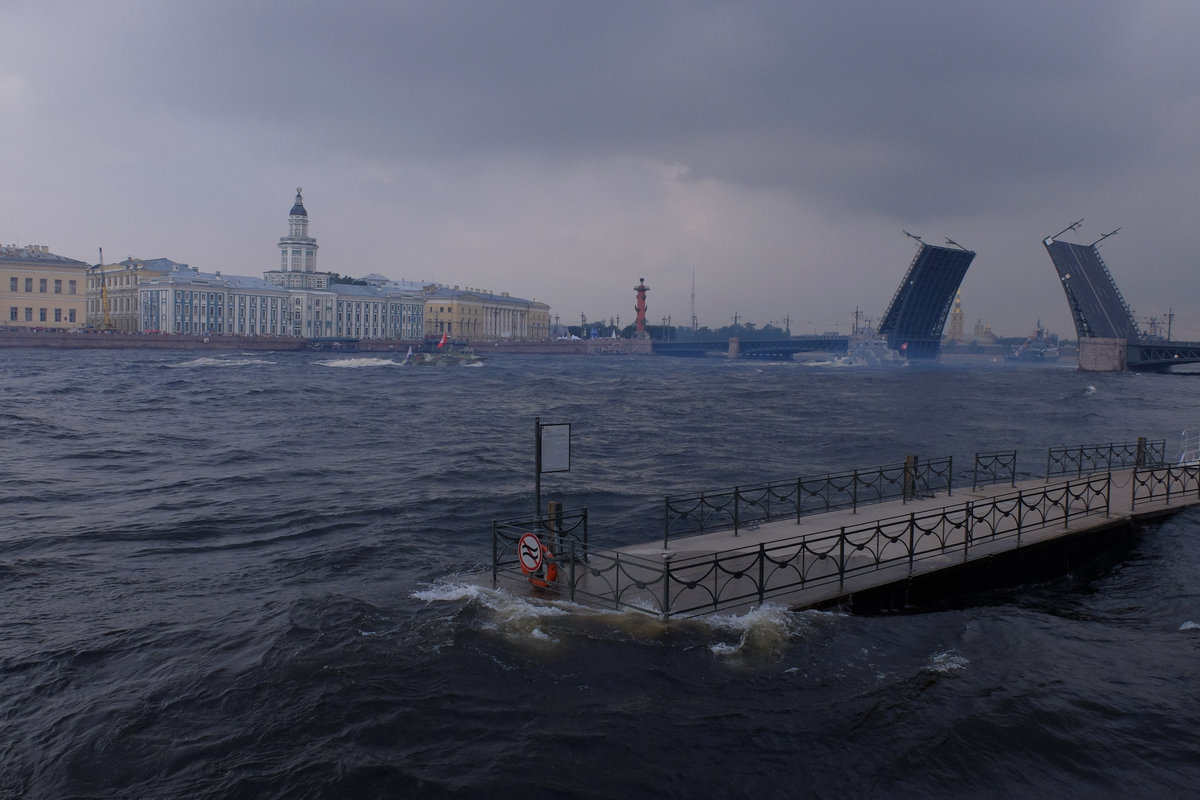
[(884, 537)]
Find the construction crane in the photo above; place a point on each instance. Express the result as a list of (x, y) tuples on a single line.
[(103, 292)]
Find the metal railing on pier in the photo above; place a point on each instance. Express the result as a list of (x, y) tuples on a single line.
[(702, 584), (993, 468), (1173, 481), (1083, 459), (748, 506), (564, 536)]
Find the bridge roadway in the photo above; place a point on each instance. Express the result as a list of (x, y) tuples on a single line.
[(752, 348), (898, 581), (1161, 356)]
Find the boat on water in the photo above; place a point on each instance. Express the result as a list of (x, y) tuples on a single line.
[(443, 354), (1036, 348)]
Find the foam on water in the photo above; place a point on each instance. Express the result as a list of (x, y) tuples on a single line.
[(353, 363), (226, 361), (946, 662)]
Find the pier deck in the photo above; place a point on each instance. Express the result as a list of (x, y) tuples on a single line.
[(883, 555)]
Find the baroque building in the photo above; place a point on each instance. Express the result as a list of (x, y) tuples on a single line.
[(112, 291), (298, 300), (39, 289), (298, 254)]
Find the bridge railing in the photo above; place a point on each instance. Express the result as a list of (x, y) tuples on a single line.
[(668, 587), (1165, 482), (746, 506), (1084, 459), (995, 467)]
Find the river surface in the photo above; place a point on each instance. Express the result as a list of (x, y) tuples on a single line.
[(240, 576)]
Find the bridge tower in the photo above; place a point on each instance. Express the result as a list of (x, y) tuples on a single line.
[(640, 308)]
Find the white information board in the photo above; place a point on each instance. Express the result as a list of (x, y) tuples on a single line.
[(556, 447)]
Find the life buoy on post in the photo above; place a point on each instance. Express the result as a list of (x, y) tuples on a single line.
[(549, 573)]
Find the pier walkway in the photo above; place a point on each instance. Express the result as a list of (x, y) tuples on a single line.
[(888, 554)]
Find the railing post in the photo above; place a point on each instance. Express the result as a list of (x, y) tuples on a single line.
[(1012, 470), (1067, 505), (1049, 453), (799, 498), (571, 570), (842, 559), (762, 571), (967, 522), (950, 476), (912, 544), (853, 494), (1020, 513), (737, 496), (666, 595), (666, 521), (975, 477), (495, 555), (1139, 460)]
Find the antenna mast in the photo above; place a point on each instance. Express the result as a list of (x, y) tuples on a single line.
[(693, 301)]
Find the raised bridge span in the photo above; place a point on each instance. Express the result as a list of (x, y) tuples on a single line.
[(1109, 337)]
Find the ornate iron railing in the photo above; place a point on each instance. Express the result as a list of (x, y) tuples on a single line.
[(564, 537), (997, 467), (1164, 483), (668, 587), (749, 506), (1088, 458)]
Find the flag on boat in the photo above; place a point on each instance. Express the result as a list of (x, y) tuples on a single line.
[(442, 343)]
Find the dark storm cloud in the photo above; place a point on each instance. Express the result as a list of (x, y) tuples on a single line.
[(895, 108)]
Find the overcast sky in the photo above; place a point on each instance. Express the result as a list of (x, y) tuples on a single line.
[(563, 150)]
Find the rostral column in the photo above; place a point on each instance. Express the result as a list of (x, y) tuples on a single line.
[(640, 308)]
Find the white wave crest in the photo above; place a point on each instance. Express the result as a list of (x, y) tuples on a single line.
[(209, 361), (1190, 626), (763, 631), (358, 362), (947, 662)]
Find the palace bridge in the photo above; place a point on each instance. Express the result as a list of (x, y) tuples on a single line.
[(1109, 337)]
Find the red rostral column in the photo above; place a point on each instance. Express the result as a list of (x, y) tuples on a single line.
[(640, 308)]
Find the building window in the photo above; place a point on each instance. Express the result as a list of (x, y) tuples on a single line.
[(12, 284), (29, 315), (41, 315), (57, 286), (70, 315), (70, 287), (12, 313), (42, 285), (58, 315), (29, 284)]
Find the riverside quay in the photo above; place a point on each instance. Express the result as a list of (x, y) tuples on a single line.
[(882, 538)]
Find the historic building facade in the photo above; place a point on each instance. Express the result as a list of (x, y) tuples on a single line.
[(39, 289), (297, 300), (112, 291), (298, 254), (474, 314)]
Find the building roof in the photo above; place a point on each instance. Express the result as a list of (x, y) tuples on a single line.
[(35, 254)]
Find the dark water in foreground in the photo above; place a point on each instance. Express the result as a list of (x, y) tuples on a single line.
[(235, 577)]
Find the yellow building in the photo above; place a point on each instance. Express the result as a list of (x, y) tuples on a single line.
[(112, 291), (39, 289), (479, 315)]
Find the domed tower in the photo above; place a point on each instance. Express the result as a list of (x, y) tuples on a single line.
[(298, 250)]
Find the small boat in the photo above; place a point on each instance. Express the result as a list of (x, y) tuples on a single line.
[(445, 353)]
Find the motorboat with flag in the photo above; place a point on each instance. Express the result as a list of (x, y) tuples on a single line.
[(444, 353)]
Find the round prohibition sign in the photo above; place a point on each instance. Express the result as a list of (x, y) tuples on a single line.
[(529, 551)]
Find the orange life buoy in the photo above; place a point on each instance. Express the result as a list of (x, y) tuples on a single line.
[(549, 570)]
